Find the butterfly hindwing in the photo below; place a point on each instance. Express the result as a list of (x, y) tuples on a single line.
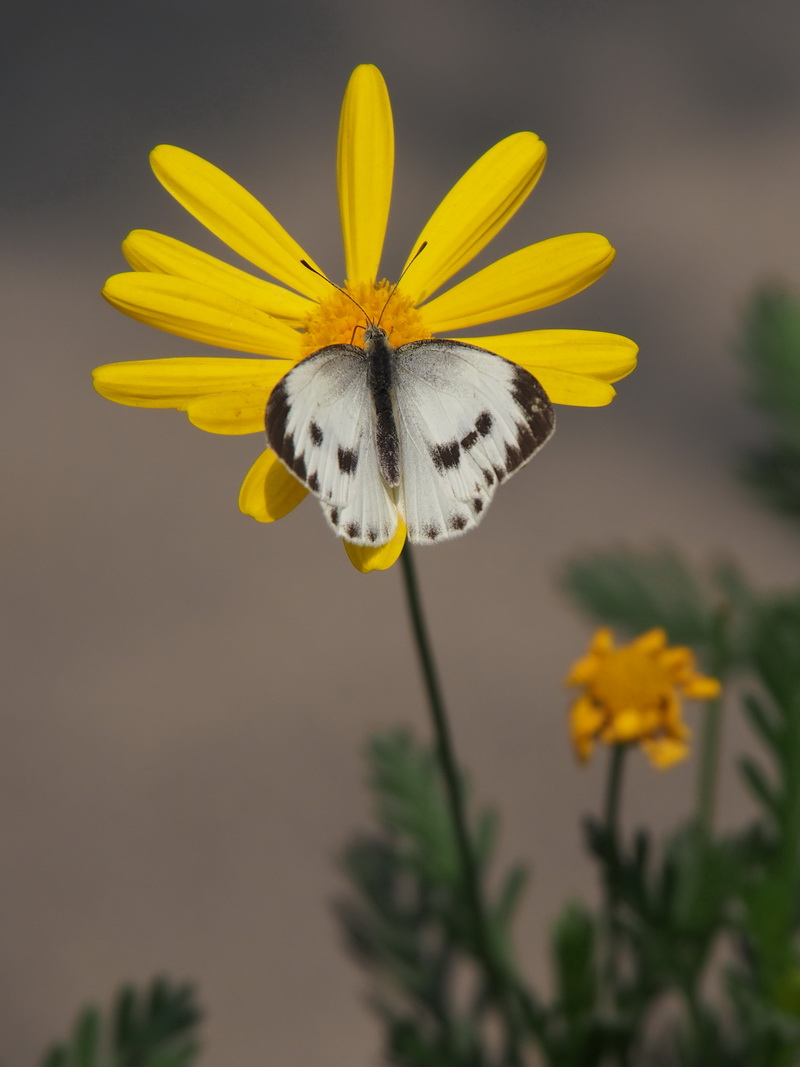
[(320, 423), (466, 420)]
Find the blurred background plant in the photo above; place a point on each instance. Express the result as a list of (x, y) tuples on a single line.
[(691, 958)]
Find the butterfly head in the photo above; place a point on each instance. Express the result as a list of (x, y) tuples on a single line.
[(373, 332)]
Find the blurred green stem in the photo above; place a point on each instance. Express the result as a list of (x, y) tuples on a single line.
[(613, 795), (712, 726), (503, 995)]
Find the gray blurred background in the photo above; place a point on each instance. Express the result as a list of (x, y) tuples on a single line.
[(188, 692)]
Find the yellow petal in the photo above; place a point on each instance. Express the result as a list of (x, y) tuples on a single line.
[(577, 389), (671, 712), (607, 356), (236, 217), (367, 559), (701, 688), (585, 721), (585, 718), (602, 642), (474, 210), (665, 751), (194, 310), (584, 748), (532, 278), (583, 670), (238, 412), (175, 383), (678, 661), (365, 165), (146, 250), (269, 491), (626, 725), (652, 641)]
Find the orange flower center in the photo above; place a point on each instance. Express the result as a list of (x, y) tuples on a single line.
[(338, 320), (631, 678)]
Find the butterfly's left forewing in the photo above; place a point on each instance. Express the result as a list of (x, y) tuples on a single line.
[(466, 420), (320, 422)]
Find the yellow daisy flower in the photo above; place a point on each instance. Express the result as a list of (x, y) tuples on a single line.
[(184, 291), (633, 693)]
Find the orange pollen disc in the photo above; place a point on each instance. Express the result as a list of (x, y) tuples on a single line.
[(337, 320), (629, 678)]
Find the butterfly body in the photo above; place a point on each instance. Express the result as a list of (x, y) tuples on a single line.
[(424, 432), (380, 378)]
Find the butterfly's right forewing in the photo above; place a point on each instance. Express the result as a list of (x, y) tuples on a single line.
[(467, 419), (320, 423)]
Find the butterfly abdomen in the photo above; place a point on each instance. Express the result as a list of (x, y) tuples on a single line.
[(380, 374)]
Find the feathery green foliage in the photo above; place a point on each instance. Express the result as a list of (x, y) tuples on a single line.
[(156, 1027), (770, 351)]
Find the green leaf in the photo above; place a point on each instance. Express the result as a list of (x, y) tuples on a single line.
[(155, 1027), (761, 789), (574, 942), (771, 354), (86, 1039), (509, 897), (56, 1057), (775, 648), (409, 918), (411, 805), (774, 472), (764, 721), (635, 591)]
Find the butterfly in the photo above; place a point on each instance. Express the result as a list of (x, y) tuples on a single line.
[(425, 432)]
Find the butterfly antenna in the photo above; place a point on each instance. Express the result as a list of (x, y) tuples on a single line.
[(397, 283), (349, 296)]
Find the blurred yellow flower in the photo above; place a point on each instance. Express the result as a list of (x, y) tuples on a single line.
[(633, 693), (184, 291)]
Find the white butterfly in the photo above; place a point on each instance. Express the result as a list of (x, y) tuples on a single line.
[(425, 432)]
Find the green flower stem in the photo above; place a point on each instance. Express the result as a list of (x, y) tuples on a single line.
[(711, 738), (612, 806), (504, 997)]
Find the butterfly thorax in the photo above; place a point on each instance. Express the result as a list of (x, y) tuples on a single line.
[(380, 375)]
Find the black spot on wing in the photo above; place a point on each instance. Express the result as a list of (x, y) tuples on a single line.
[(287, 449), (353, 530), (278, 408), (532, 428), (299, 467), (514, 457), (372, 534), (313, 482), (458, 522), (470, 440), (347, 459), (538, 411), (431, 532), (526, 390), (477, 503), (446, 457), (315, 433), (334, 513), (488, 477), (484, 423), (282, 443)]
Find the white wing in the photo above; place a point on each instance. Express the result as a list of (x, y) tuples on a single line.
[(321, 423), (466, 420)]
